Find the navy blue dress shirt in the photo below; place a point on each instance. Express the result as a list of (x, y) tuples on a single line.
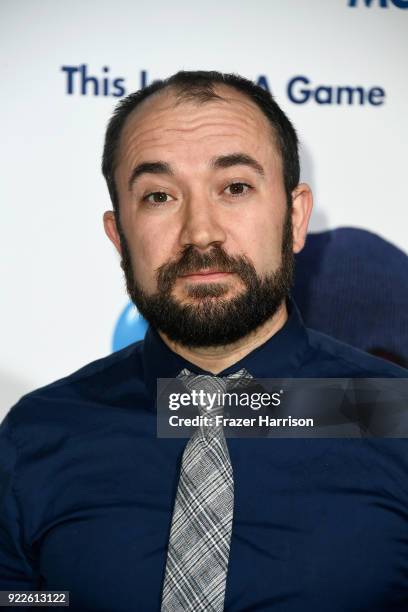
[(87, 491)]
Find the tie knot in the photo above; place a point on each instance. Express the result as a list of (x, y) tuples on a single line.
[(210, 389)]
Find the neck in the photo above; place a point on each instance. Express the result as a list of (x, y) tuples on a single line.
[(215, 359)]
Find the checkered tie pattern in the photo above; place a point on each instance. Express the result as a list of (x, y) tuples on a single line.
[(200, 536)]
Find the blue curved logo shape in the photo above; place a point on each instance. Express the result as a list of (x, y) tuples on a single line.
[(130, 327)]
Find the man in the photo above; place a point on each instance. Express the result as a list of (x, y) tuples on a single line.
[(203, 174)]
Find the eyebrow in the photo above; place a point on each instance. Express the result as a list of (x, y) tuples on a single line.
[(154, 167), (237, 159), (223, 161)]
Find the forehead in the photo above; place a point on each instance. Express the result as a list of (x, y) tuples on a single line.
[(165, 121)]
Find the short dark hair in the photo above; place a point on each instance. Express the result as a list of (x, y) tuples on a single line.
[(199, 86)]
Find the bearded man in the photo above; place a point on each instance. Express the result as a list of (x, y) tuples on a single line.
[(203, 174)]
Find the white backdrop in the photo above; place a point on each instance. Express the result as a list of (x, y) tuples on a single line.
[(62, 288)]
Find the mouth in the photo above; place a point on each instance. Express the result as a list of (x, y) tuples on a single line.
[(206, 275)]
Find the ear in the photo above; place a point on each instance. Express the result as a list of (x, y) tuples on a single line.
[(302, 204), (111, 230)]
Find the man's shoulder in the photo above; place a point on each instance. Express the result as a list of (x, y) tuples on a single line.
[(101, 382), (337, 359)]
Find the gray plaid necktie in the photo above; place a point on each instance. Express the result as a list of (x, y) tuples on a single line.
[(197, 558)]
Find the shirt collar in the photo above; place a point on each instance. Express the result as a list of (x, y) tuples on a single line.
[(279, 356)]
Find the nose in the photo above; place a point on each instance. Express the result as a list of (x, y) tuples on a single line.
[(201, 225)]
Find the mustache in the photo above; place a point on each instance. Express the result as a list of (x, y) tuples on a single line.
[(192, 260)]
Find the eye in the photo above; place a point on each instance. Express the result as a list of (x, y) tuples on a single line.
[(237, 189), (157, 197)]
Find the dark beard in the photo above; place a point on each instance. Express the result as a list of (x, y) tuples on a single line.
[(213, 321)]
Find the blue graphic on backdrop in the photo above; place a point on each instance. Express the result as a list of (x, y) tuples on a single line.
[(402, 4), (131, 327)]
